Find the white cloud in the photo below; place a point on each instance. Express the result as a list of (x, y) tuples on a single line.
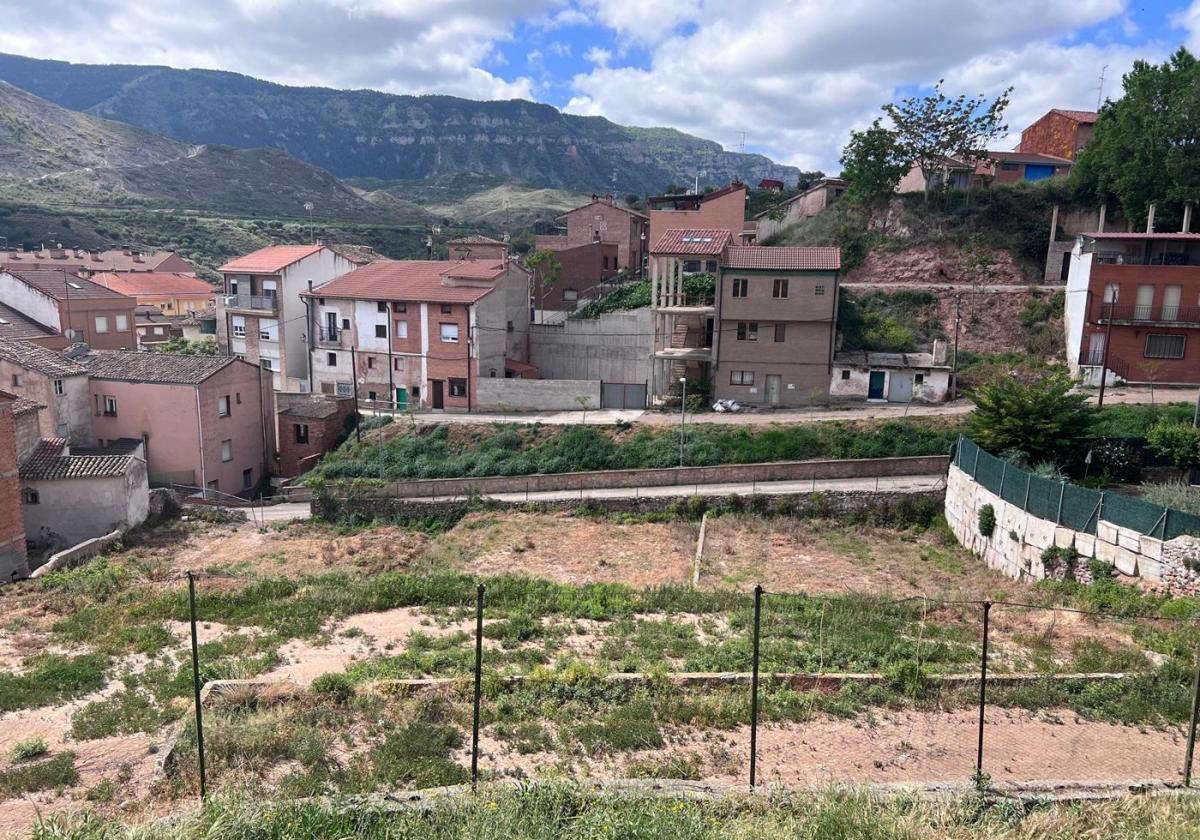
[(598, 55), (1189, 20)]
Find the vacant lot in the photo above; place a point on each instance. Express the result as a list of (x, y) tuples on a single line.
[(96, 662)]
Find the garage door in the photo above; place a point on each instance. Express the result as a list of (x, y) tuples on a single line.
[(622, 395)]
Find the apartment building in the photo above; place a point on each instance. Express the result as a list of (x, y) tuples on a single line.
[(602, 220), (261, 317), (723, 209), (205, 421), (71, 305), (49, 378), (87, 262), (420, 332), (172, 293), (1138, 296)]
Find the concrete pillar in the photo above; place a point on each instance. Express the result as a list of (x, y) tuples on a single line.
[(1150, 217), (1103, 217), (1187, 218)]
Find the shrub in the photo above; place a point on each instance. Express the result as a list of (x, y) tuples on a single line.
[(28, 749), (987, 520), (337, 688), (1176, 441), (29, 778), (1178, 495)]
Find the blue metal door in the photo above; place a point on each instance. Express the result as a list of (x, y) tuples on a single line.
[(875, 385), (1038, 172)]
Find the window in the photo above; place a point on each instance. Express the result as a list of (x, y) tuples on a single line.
[(110, 406), (741, 377), (122, 323), (747, 331), (510, 326), (919, 379), (570, 294), (101, 324), (845, 376), (321, 301), (740, 285), (458, 387), (780, 332), (1009, 166), (691, 266), (265, 364), (445, 309), (344, 389), (59, 388), (401, 329), (223, 406), (301, 432), (450, 333), (370, 363), (398, 363), (780, 288), (331, 359), (1164, 346), (381, 330), (710, 266), (371, 396), (606, 262), (239, 327), (399, 307), (345, 323), (237, 397), (381, 307), (819, 290), (16, 380), (214, 485), (30, 496), (264, 334), (247, 478), (227, 450), (158, 330)]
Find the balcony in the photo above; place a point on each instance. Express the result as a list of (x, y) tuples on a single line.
[(1138, 313), (334, 336), (252, 303)]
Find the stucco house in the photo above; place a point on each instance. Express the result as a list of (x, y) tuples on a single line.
[(68, 496), (13, 563), (51, 379), (68, 304), (804, 205), (173, 293), (891, 377)]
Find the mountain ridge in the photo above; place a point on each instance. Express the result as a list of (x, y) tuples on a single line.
[(367, 133)]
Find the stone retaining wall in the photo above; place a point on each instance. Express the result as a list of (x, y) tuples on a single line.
[(1017, 544)]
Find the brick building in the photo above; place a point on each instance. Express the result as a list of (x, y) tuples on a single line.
[(477, 247), (1138, 294), (723, 209), (85, 263), (419, 332), (585, 270), (50, 379), (1059, 133), (603, 220), (68, 304), (172, 293), (309, 426), (13, 562)]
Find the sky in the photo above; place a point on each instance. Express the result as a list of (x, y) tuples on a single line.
[(788, 78)]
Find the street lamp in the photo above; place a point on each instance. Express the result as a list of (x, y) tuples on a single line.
[(308, 205), (682, 416)]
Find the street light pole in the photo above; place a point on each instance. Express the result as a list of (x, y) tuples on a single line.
[(682, 416)]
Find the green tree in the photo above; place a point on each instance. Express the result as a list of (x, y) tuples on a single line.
[(546, 269), (1146, 145), (1177, 441), (184, 347), (1042, 419), (934, 127), (873, 163)]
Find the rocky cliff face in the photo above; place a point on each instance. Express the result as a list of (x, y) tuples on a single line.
[(370, 134)]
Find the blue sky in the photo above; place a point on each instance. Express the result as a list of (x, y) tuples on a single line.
[(796, 76)]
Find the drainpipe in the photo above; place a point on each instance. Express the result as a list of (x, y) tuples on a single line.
[(200, 427), (265, 403), (391, 364), (308, 331)]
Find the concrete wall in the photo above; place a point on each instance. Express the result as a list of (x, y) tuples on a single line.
[(614, 348), (537, 394), (727, 474), (1162, 565), (97, 506)]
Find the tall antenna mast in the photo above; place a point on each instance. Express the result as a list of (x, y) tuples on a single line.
[(1100, 88), (742, 145)]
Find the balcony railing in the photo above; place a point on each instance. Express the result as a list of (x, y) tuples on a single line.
[(1149, 312), (333, 335), (1095, 358), (267, 303)]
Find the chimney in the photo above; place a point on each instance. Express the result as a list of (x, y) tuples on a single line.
[(1150, 217), (1103, 218), (137, 257), (939, 351), (96, 256), (1187, 218)]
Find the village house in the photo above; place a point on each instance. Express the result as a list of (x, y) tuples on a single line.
[(20, 327), (104, 490), (1059, 133), (261, 317), (68, 304), (13, 562), (309, 426), (200, 326), (49, 378), (420, 332), (477, 247), (85, 263), (154, 329), (996, 168), (1138, 296), (771, 185), (891, 377), (205, 421), (723, 209), (173, 294), (587, 272), (804, 205), (602, 220)]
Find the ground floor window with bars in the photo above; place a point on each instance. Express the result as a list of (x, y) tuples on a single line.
[(1165, 346)]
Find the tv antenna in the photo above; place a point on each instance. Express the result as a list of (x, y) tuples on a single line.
[(1100, 88)]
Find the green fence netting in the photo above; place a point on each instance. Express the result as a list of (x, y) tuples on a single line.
[(1078, 508)]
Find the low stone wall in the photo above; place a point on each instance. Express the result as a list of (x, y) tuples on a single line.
[(726, 474), (1020, 539), (76, 554), (536, 394)]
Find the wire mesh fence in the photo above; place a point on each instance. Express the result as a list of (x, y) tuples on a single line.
[(749, 688)]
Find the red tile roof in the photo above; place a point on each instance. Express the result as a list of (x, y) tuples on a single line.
[(270, 260), (152, 283), (474, 239), (47, 462), (703, 242), (1078, 116), (414, 280), (60, 284), (784, 258)]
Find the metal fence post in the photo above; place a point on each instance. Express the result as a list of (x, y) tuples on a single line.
[(1191, 739), (758, 592), (1028, 481), (1003, 478), (1062, 489), (983, 663), (478, 687), (196, 685)]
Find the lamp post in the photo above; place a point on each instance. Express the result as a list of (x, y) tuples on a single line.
[(682, 416), (308, 205)]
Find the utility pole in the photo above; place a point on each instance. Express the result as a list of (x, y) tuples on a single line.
[(682, 416), (954, 371)]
